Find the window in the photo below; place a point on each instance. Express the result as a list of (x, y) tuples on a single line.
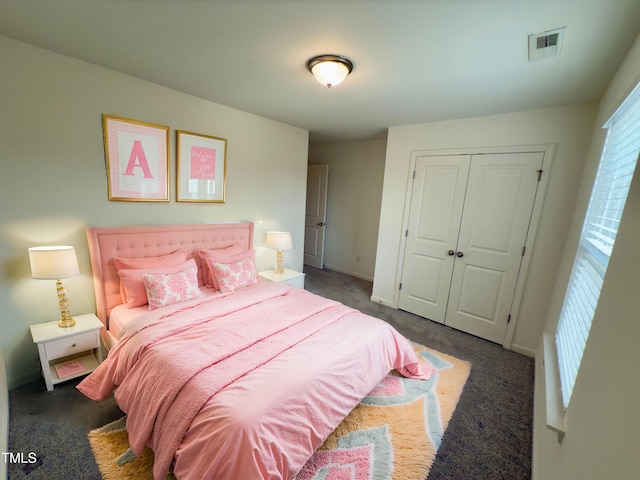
[(597, 238)]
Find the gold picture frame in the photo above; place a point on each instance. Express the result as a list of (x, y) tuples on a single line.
[(137, 160), (201, 164)]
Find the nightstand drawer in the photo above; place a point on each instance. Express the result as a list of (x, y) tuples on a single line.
[(288, 277), (69, 346), (297, 282)]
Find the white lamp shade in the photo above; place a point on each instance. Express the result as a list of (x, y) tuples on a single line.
[(53, 263), (279, 241), (330, 73)]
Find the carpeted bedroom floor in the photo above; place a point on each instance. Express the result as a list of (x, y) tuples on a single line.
[(489, 436)]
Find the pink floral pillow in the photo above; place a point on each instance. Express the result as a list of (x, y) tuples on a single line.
[(167, 289), (132, 286), (235, 275), (219, 255)]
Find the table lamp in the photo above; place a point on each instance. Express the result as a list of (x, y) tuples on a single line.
[(278, 241), (56, 263)]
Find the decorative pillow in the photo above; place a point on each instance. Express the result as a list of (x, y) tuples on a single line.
[(236, 274), (219, 255), (171, 288), (169, 260), (132, 283), (176, 258)]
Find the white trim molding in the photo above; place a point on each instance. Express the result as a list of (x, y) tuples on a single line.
[(553, 396)]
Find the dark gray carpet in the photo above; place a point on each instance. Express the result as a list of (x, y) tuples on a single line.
[(489, 436)]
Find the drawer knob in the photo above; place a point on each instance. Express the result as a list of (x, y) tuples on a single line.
[(73, 346)]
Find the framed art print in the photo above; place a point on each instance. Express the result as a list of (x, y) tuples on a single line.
[(201, 166), (137, 156)]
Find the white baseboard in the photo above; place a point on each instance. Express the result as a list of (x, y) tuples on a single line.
[(523, 350), (347, 272), (382, 301)]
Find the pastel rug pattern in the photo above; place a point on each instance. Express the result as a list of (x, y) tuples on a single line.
[(394, 433)]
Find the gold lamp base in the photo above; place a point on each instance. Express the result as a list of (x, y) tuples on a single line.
[(66, 323), (279, 262), (66, 320)]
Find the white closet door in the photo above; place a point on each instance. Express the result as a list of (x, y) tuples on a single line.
[(497, 212), (468, 222), (434, 222)]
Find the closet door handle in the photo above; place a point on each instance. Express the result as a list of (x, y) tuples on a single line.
[(460, 254), (450, 253)]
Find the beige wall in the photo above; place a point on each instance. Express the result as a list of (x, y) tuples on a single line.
[(568, 128), (54, 181), (356, 171), (602, 421)]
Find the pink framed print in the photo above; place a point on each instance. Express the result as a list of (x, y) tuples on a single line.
[(137, 156), (201, 167)]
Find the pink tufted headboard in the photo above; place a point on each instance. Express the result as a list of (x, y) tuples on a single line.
[(107, 243)]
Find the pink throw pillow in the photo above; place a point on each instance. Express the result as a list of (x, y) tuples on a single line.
[(219, 255), (236, 274), (176, 258), (132, 282), (169, 260), (168, 289)]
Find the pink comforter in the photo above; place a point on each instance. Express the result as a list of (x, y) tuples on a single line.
[(254, 379)]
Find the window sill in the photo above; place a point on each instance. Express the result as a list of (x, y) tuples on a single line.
[(555, 410)]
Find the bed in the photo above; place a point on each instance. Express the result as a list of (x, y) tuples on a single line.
[(235, 378)]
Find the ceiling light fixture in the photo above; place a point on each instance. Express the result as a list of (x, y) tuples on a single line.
[(330, 70)]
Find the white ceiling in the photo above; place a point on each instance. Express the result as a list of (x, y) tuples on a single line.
[(415, 60)]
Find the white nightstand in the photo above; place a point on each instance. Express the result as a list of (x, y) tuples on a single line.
[(68, 345), (290, 277)]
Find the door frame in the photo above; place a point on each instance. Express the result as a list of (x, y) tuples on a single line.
[(547, 151)]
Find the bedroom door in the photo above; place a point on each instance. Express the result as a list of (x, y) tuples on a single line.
[(315, 215), (474, 212)]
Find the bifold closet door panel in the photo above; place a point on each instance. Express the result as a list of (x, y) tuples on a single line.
[(437, 202), (497, 212)]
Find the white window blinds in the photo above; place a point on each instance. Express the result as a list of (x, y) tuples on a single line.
[(597, 238)]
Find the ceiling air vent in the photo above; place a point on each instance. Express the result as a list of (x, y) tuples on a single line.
[(545, 44)]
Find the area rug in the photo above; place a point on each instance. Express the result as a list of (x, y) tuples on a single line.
[(394, 433)]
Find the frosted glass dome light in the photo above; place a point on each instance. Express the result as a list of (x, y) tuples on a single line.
[(330, 70)]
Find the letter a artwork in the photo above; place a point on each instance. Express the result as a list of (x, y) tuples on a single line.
[(137, 158)]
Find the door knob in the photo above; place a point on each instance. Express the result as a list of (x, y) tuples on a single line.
[(321, 224), (450, 253), (460, 254)]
